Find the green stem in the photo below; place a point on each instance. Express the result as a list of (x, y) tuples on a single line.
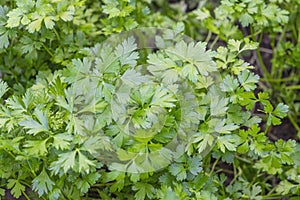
[(236, 175), (252, 35), (214, 42), (293, 87), (243, 159), (25, 195), (280, 79), (56, 33), (208, 37), (213, 167), (282, 36), (260, 59), (48, 50), (262, 64), (292, 120)]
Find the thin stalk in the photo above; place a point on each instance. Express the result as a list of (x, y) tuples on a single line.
[(252, 35), (214, 42), (280, 79), (214, 166), (208, 37), (243, 159), (292, 120), (293, 87), (281, 37), (25, 195), (47, 49), (260, 59), (262, 64), (236, 175), (56, 33)]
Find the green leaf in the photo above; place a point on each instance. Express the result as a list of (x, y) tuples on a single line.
[(246, 19), (144, 190), (84, 163), (36, 147), (248, 80), (68, 14), (14, 17), (195, 54), (35, 25), (229, 84), (190, 72), (4, 42), (229, 142), (94, 143), (133, 78), (218, 106), (234, 45), (3, 87), (42, 184), (284, 187), (65, 161), (34, 126), (49, 22), (163, 98), (125, 52), (164, 67), (204, 140), (178, 171), (219, 126), (16, 187), (62, 141), (281, 110), (194, 165)]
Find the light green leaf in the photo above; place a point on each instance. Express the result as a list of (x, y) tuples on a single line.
[(190, 72), (229, 142), (36, 147), (218, 106), (84, 163), (125, 52), (3, 87), (35, 25), (196, 54), (49, 22), (14, 17), (4, 42), (281, 110), (16, 187), (163, 98), (248, 80), (144, 190), (42, 184), (229, 84), (133, 78), (65, 161), (62, 141)]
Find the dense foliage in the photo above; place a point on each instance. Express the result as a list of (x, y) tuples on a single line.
[(88, 113)]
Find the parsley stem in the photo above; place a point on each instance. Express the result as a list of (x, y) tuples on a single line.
[(25, 195), (214, 42), (236, 175), (293, 87), (296, 126), (56, 33), (214, 166), (243, 159), (281, 37), (280, 79), (262, 64), (208, 37), (47, 49), (258, 54)]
